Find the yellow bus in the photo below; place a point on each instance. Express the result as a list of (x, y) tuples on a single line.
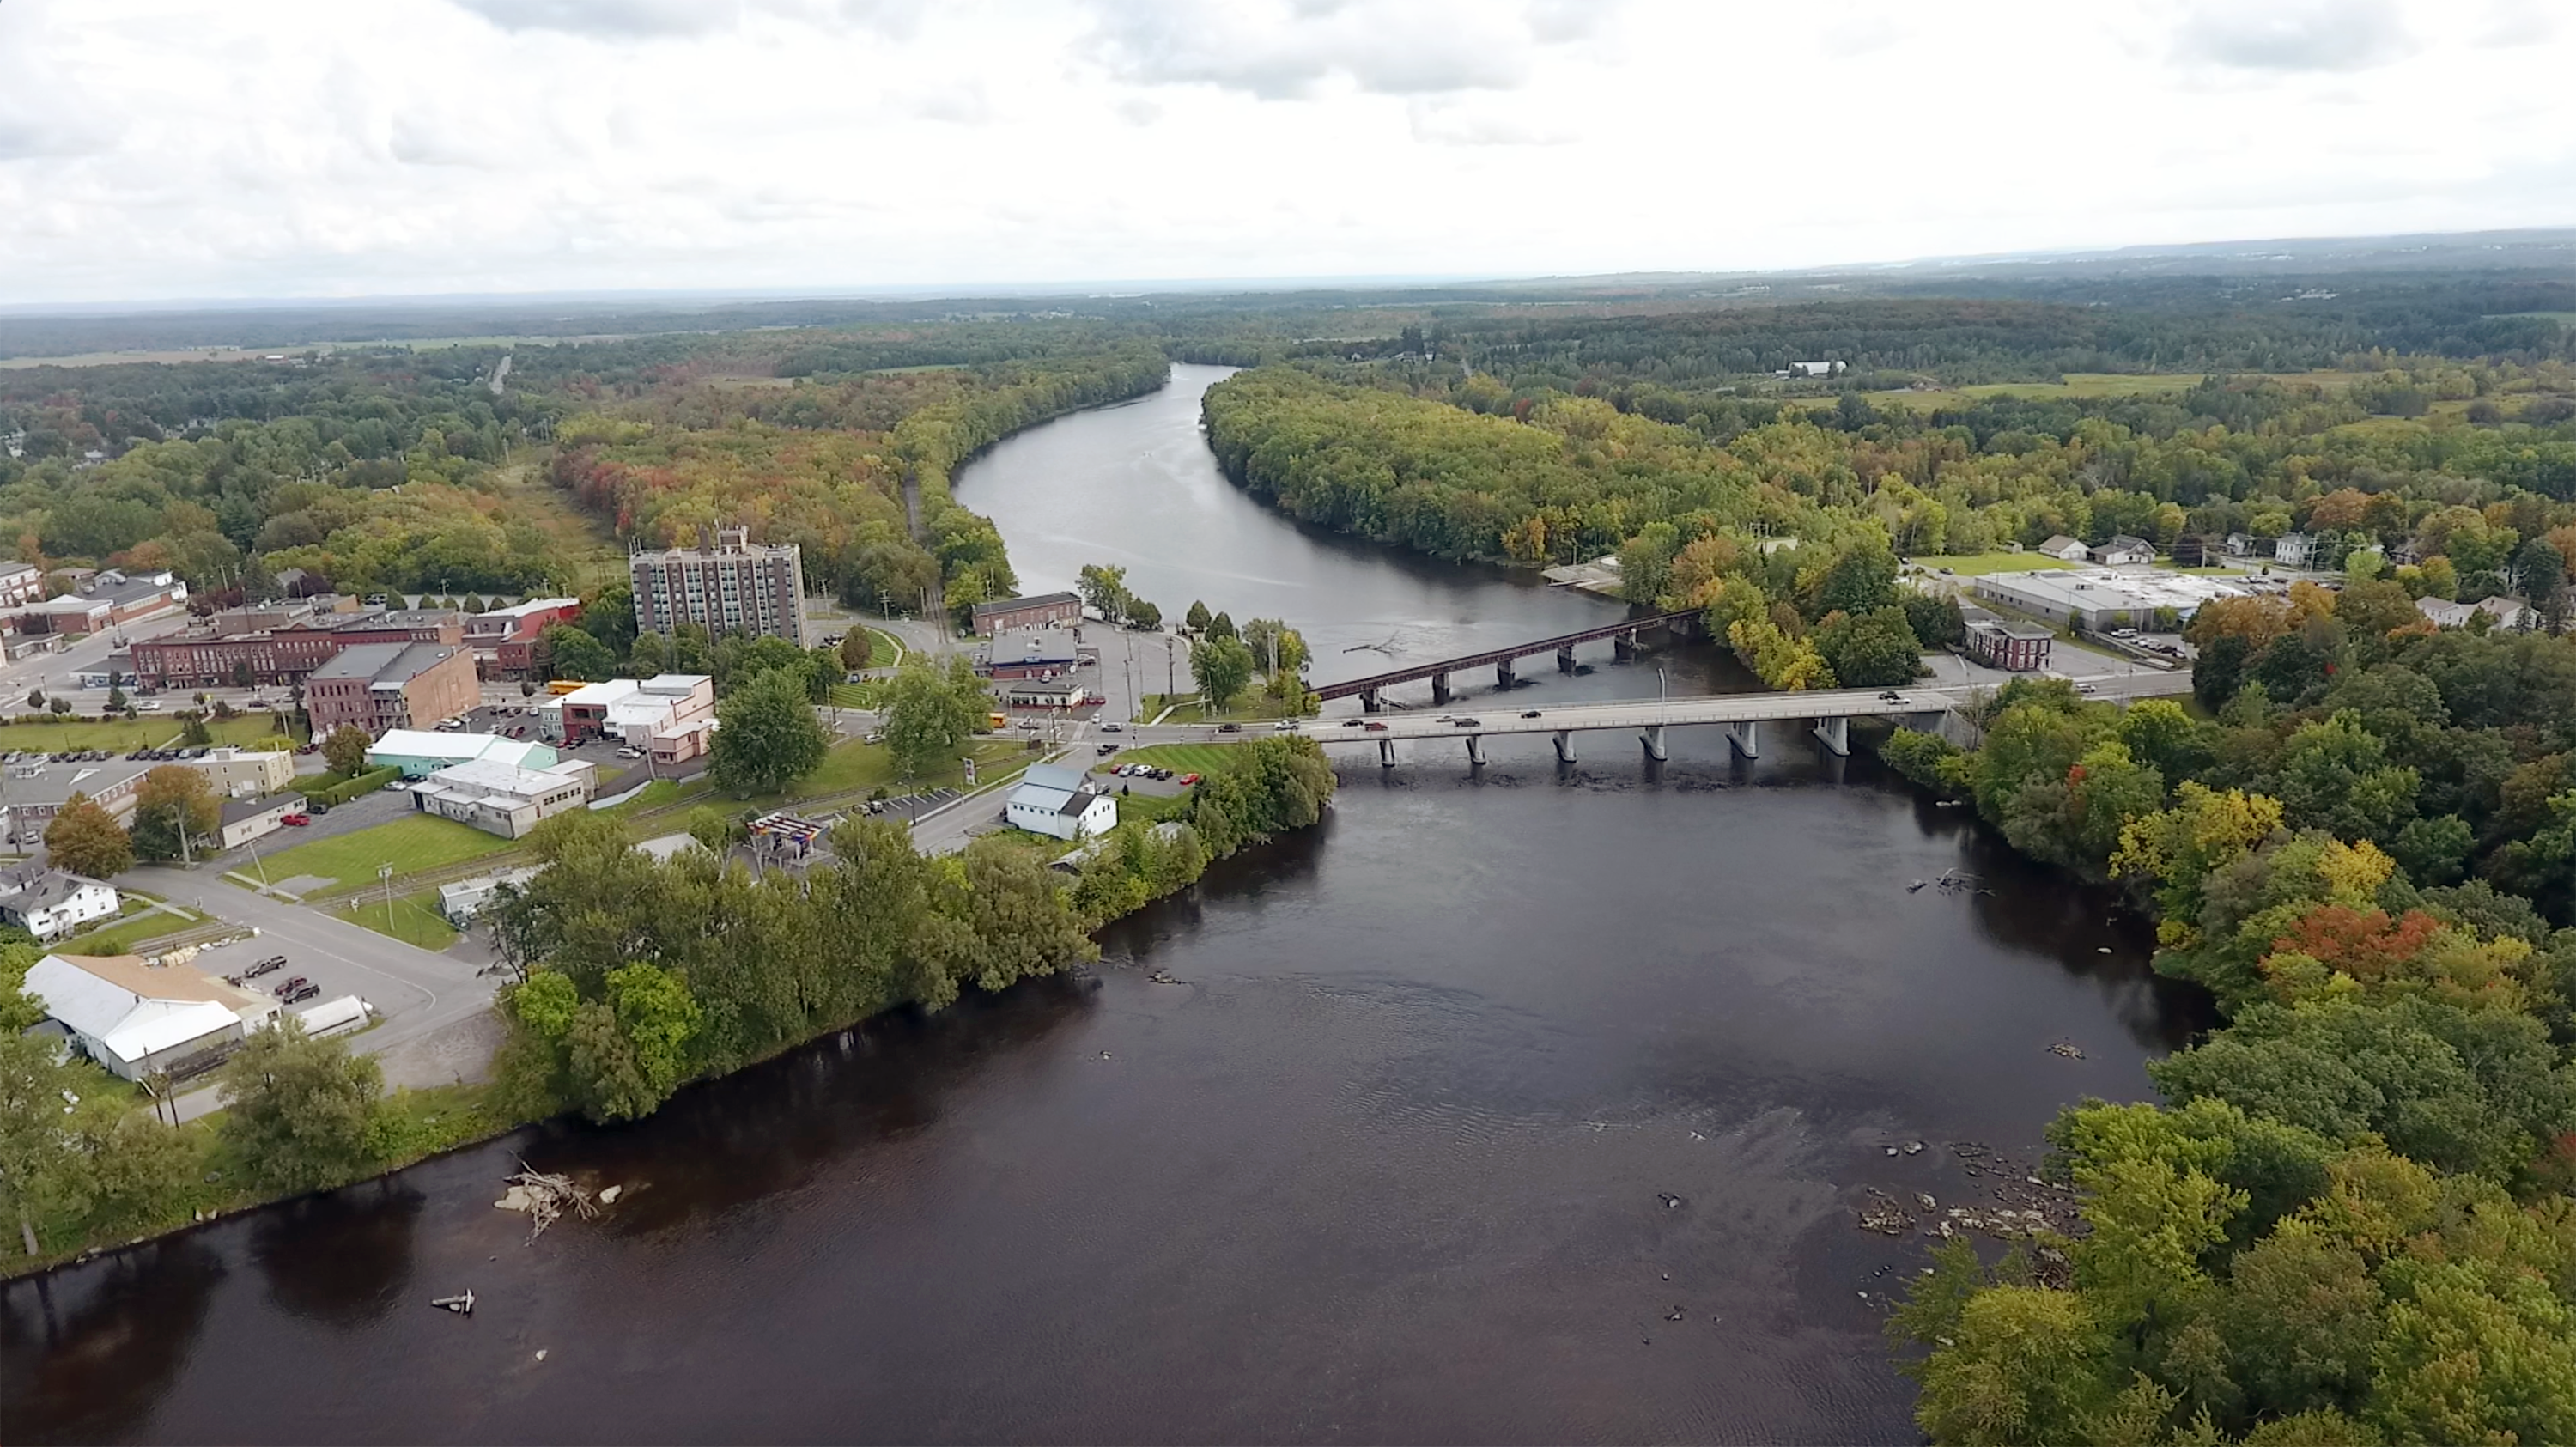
[(566, 685)]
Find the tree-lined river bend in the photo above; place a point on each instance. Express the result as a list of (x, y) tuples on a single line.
[(1396, 1159)]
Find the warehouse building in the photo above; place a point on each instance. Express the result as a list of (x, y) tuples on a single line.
[(2098, 599)]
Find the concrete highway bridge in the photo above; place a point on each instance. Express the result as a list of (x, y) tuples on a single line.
[(1370, 691), (1827, 715)]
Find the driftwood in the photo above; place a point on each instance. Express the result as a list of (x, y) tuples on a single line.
[(548, 1196)]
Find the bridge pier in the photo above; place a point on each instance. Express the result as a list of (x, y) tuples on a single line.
[(1386, 753), (1439, 688), (1565, 659), (1653, 739), (1623, 646), (1565, 746), (1475, 751), (1504, 677), (1746, 737), (1369, 701), (1835, 735)]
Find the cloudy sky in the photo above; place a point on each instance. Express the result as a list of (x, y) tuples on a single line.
[(157, 149)]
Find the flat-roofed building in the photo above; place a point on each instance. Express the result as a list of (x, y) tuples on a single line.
[(504, 640), (133, 1018), (2099, 599), (1040, 610), (289, 648), (2019, 647), (635, 710), (734, 586), (383, 686), (422, 752), (502, 798)]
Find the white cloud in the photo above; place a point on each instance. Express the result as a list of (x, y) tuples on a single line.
[(161, 148)]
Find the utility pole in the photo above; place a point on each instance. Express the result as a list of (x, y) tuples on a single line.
[(385, 877)]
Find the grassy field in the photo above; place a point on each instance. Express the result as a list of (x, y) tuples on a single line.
[(414, 920), (1187, 758), (417, 841), (1977, 565), (127, 735), (1249, 705)]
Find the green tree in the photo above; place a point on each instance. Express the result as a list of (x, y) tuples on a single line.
[(173, 800), (85, 839), (298, 1109), (858, 647), (822, 673), (766, 734), (192, 729), (1197, 619), (931, 712), (35, 1148), (1023, 923), (1220, 626), (1105, 589), (608, 616), (1873, 650), (573, 653), (1936, 619), (1141, 614), (1222, 666), (345, 750)]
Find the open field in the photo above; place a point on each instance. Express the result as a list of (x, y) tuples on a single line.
[(150, 731), (418, 841), (414, 920), (1977, 565), (585, 544)]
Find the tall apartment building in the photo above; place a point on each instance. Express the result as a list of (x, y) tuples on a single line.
[(736, 586)]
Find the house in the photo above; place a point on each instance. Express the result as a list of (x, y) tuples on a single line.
[(384, 686), (133, 1018), (2240, 545), (2294, 550), (1043, 610), (504, 799), (1060, 803), (2065, 549), (237, 773), (2124, 550), (2503, 613), (50, 903), (244, 820), (420, 753), (2019, 647)]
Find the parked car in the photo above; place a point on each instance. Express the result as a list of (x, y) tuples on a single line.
[(291, 986), (294, 821), (273, 962), (1188, 779)]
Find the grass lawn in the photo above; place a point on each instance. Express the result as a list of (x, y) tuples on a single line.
[(414, 919), (1186, 708), (1974, 565), (126, 735), (131, 927), (1186, 758), (415, 841)]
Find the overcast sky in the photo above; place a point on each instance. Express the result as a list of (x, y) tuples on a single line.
[(163, 148)]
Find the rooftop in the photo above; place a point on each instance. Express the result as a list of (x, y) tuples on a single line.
[(385, 665), (490, 776), (533, 605), (1005, 605), (236, 810), (2097, 588)]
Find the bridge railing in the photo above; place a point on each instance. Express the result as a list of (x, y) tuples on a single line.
[(1416, 672)]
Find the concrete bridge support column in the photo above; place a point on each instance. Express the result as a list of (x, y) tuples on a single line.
[(1386, 753), (1439, 688), (1747, 738), (1565, 746), (1624, 645), (1369, 702), (1835, 735), (1504, 677), (1476, 751), (1653, 739), (1565, 659)]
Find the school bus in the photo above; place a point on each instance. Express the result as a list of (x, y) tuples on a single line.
[(566, 685)]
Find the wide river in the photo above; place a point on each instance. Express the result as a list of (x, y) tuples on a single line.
[(1391, 1161)]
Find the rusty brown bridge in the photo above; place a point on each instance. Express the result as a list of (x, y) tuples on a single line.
[(1623, 635)]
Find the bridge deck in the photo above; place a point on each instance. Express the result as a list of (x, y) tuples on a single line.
[(1412, 673)]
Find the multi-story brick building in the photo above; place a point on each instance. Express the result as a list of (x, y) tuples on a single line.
[(1043, 610), (736, 586), (208, 656), (380, 686), (505, 640)]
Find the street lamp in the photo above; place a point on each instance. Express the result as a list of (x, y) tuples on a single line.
[(385, 877)]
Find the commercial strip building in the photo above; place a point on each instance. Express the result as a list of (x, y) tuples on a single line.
[(670, 715), (2099, 599), (1044, 653), (133, 1018), (422, 752), (734, 586), (105, 600), (280, 643), (504, 640), (1060, 803), (1042, 610), (50, 903), (384, 686), (504, 799)]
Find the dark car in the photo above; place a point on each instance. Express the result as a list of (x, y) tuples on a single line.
[(273, 962), (291, 986), (302, 993), (1230, 728), (1467, 723), (1375, 727), (1529, 713)]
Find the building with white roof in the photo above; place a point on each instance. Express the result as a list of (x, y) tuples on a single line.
[(657, 713), (422, 752), (504, 799), (1060, 803), (2100, 599), (133, 1018)]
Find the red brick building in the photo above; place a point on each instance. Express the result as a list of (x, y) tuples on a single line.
[(205, 657), (380, 686), (1043, 610), (505, 640)]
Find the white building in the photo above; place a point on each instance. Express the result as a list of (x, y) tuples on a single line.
[(50, 903), (422, 752), (2064, 549), (2124, 550), (501, 798), (1058, 802), (344, 1016), (464, 899), (133, 1018), (2507, 613), (2100, 600), (2294, 550)]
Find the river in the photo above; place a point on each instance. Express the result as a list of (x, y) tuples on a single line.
[(1390, 1162)]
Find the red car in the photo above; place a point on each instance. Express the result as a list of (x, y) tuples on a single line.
[(1188, 779), (295, 821)]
